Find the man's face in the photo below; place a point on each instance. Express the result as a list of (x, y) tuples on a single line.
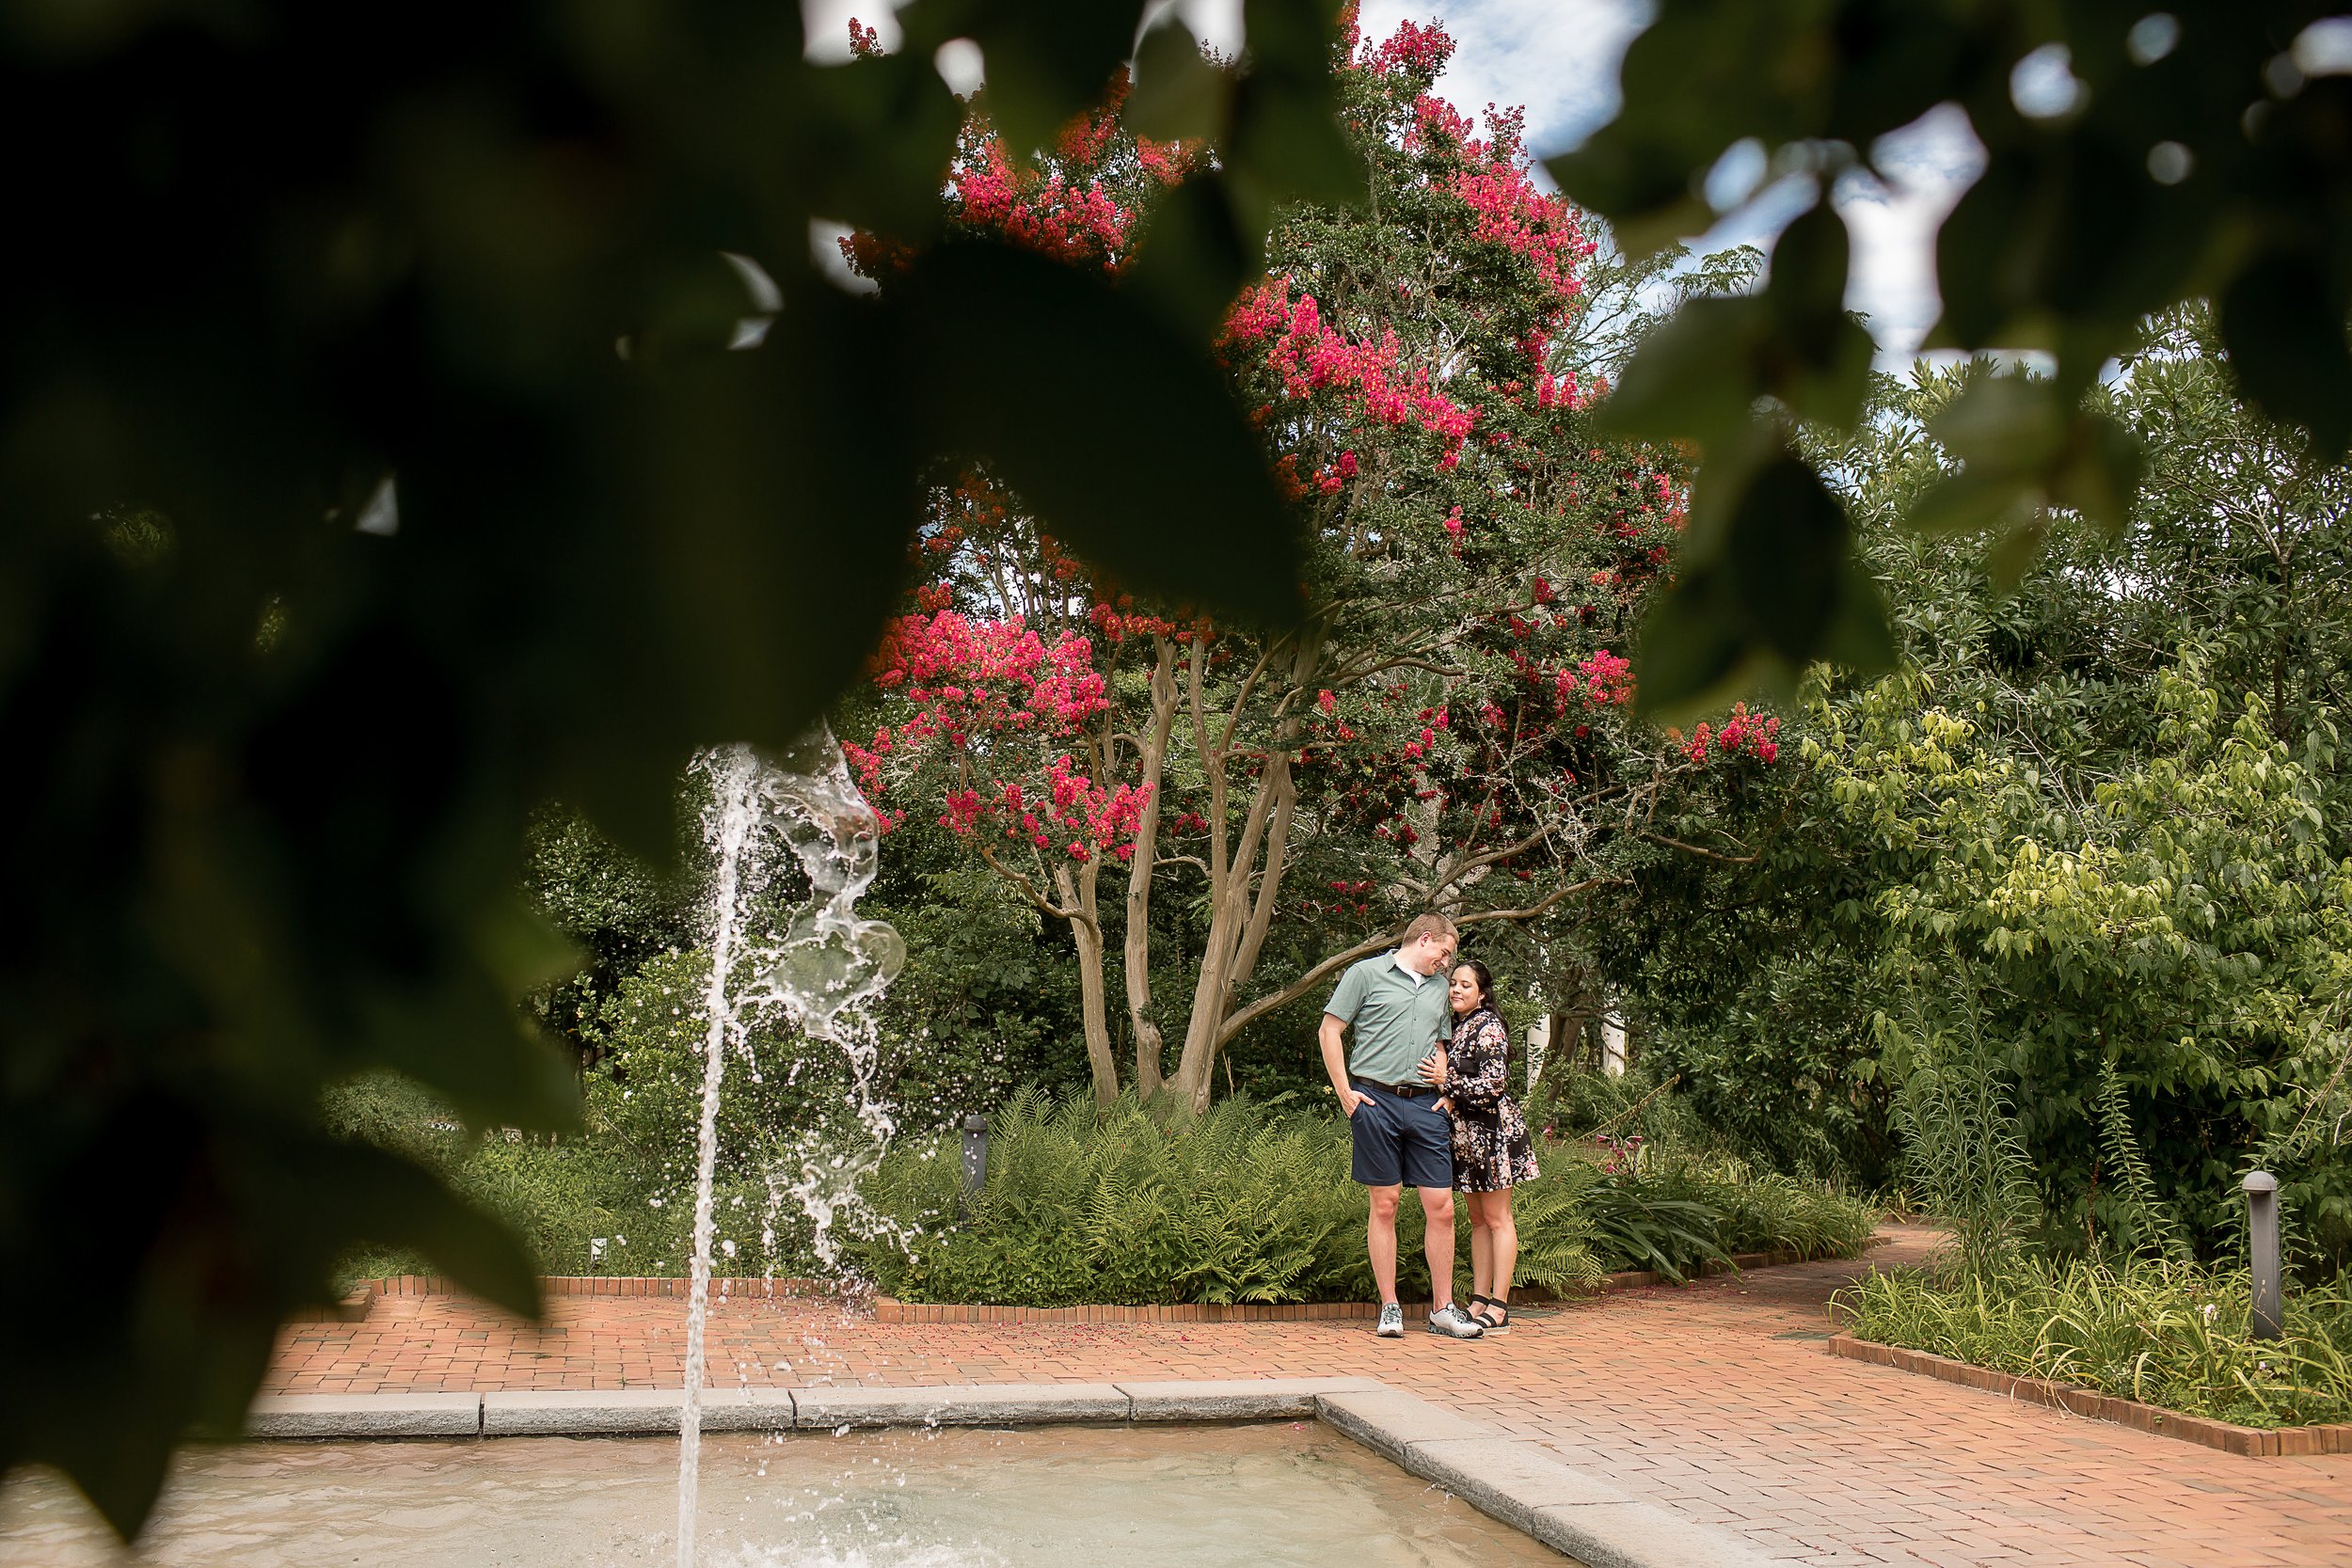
[(1430, 953)]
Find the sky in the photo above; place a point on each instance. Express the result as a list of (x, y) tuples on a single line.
[(1559, 58)]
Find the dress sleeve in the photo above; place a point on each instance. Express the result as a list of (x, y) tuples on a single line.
[(1482, 1072)]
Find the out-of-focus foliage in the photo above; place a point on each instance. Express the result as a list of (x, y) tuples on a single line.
[(375, 466), (2134, 158), (2077, 876)]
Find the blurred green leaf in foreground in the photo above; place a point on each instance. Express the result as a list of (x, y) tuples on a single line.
[(2134, 157), (409, 416)]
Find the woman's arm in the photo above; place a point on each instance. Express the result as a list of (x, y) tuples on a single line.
[(1483, 1069)]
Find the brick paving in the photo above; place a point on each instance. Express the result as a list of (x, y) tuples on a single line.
[(1715, 1399)]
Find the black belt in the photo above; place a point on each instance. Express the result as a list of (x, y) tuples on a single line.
[(1407, 1090)]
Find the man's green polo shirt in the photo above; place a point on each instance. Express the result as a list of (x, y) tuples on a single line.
[(1397, 1022)]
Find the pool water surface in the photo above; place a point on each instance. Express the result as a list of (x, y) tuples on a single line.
[(1172, 1497)]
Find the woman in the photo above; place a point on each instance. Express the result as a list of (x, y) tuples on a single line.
[(1492, 1151)]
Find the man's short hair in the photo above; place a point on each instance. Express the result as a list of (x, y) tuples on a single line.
[(1428, 926)]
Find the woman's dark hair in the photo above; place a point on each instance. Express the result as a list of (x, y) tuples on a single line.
[(1485, 982)]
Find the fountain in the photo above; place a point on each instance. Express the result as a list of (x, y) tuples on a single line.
[(820, 970), (928, 1496)]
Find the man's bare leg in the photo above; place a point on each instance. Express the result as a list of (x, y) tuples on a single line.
[(1437, 1207), (1380, 1240)]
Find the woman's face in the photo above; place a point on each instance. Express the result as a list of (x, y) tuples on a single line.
[(1462, 989)]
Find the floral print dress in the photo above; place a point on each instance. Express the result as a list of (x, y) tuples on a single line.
[(1491, 1146)]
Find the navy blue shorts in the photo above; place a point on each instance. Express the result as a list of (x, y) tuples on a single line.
[(1400, 1141)]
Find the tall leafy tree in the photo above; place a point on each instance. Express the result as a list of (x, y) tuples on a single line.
[(2095, 827), (1445, 728)]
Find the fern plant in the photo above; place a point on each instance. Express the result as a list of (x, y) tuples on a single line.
[(2148, 1224)]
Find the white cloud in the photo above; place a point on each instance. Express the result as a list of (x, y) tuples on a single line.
[(1927, 165), (825, 26), (1559, 59)]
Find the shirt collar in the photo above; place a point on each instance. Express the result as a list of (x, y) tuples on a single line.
[(1397, 957)]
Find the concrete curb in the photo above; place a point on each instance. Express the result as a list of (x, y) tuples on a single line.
[(962, 1404), (1260, 1399), (365, 1416), (1519, 1482), (1527, 1486), (630, 1412)]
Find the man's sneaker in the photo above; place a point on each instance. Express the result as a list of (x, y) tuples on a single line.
[(1391, 1322), (1454, 1324)]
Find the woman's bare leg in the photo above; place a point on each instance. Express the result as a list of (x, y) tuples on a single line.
[(1482, 1244), (1502, 1243)]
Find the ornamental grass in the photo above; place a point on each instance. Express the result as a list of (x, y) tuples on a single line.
[(2164, 1333)]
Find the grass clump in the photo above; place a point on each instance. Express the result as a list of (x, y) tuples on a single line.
[(2159, 1330)]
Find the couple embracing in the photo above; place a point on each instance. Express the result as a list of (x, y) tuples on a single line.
[(1423, 1084)]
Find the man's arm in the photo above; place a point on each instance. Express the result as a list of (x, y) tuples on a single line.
[(1335, 1063)]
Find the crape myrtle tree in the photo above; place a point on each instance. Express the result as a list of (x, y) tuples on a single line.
[(1446, 728)]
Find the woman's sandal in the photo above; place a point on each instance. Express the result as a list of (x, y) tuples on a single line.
[(1492, 1325)]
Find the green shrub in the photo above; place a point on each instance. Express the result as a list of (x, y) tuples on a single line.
[(594, 1204), (2154, 1329), (1237, 1205), (1248, 1204)]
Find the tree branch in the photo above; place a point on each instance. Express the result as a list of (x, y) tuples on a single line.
[(1241, 1020)]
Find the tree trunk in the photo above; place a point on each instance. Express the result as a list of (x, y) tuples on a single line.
[(1077, 894), (1149, 1047), (1241, 894)]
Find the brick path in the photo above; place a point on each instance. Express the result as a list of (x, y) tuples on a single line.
[(1715, 1399)]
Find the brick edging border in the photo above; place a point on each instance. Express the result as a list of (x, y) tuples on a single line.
[(2250, 1442), (890, 1310), (354, 1306)]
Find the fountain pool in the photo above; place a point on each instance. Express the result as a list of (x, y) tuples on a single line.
[(952, 1497)]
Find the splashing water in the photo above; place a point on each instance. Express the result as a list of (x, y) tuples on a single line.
[(820, 970)]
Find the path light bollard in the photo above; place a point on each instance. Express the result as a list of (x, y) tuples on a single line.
[(2261, 1249), (974, 1159)]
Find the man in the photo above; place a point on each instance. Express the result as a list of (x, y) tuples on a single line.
[(1397, 1005)]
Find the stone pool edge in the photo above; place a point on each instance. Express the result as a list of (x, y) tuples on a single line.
[(1516, 1481)]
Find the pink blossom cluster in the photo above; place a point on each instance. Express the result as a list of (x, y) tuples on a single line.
[(1311, 357), (1000, 681), (1559, 391), (1072, 809), (1741, 732), (1057, 218), (1438, 121), (1417, 48), (1608, 679), (1169, 162), (1529, 223), (969, 677)]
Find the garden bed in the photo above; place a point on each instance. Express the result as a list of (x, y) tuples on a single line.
[(2254, 1442)]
